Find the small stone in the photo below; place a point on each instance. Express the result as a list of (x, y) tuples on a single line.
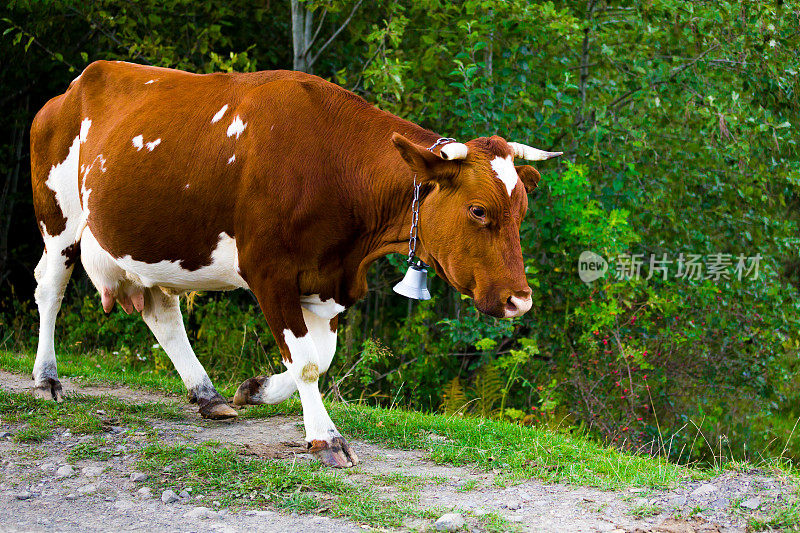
[(720, 503), (677, 501), (4, 434), (145, 492), (136, 477), (88, 489), (637, 490), (480, 512), (751, 503), (199, 512), (184, 495), (259, 513), (117, 429), (449, 522), (513, 505), (92, 471), (24, 495), (514, 518), (639, 501), (66, 434), (216, 503), (71, 496), (169, 496), (47, 466), (123, 504), (65, 471), (705, 488)]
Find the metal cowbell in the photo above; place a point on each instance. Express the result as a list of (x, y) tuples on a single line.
[(414, 284)]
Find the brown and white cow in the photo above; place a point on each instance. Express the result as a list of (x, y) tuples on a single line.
[(164, 181)]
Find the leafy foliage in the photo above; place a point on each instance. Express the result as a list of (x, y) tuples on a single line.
[(678, 120)]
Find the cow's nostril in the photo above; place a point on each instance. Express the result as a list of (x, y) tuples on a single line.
[(510, 305), (516, 306)]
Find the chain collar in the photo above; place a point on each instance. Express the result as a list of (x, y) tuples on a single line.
[(413, 234)]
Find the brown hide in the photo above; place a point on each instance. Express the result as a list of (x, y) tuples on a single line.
[(318, 189)]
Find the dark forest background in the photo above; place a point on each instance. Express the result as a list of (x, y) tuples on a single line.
[(678, 120)]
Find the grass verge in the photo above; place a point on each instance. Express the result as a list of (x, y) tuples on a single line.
[(80, 414), (510, 449), (96, 368), (299, 486)]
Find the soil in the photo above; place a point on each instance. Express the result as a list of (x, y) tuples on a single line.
[(34, 498)]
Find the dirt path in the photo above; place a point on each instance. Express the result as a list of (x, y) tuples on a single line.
[(101, 496)]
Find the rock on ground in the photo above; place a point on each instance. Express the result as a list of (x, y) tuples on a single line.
[(449, 522)]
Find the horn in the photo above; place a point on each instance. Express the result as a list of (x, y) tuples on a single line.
[(523, 151), (454, 151), (415, 283)]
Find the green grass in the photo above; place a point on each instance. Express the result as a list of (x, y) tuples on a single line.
[(786, 518), (39, 418), (223, 474), (98, 449), (644, 510), (516, 451), (96, 368)]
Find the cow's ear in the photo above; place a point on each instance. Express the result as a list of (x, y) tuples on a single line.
[(428, 166), (529, 176)]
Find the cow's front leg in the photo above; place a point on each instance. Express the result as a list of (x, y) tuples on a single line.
[(323, 439), (307, 342)]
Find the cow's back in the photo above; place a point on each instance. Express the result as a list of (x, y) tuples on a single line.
[(173, 164)]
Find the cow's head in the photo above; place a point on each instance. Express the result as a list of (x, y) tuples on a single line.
[(470, 220)]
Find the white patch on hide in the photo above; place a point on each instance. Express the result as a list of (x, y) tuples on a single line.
[(236, 127), (326, 309), (85, 125), (138, 142), (84, 220), (221, 274), (231, 159), (149, 82), (505, 172), (151, 145), (219, 115), (63, 181)]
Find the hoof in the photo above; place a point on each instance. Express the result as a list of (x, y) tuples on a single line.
[(248, 389), (214, 408), (50, 389), (220, 411), (336, 453)]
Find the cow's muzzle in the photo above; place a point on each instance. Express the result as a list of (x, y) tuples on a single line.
[(518, 305)]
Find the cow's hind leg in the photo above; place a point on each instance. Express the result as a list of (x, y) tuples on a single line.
[(162, 314), (52, 274)]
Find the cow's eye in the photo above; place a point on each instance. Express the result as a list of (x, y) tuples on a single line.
[(478, 212)]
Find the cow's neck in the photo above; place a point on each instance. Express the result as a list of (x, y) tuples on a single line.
[(389, 207)]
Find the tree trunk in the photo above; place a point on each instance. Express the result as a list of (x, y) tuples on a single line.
[(302, 20)]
